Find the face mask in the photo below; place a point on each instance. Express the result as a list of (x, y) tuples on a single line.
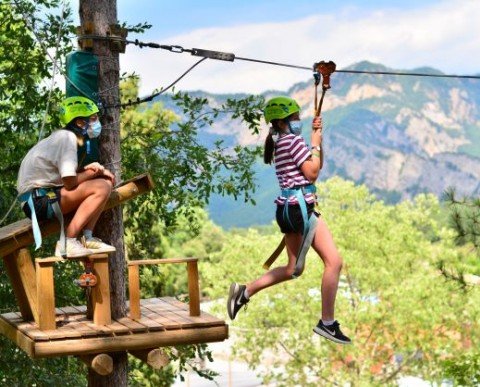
[(94, 130), (295, 127)]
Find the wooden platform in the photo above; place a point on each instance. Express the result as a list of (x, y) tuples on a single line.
[(164, 322)]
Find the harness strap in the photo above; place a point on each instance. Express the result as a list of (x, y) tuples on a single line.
[(309, 226), (37, 235), (63, 240), (305, 246), (299, 193), (55, 206)]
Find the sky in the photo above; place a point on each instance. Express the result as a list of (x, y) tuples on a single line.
[(402, 35)]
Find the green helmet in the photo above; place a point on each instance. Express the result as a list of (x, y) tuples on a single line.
[(280, 107), (74, 107)]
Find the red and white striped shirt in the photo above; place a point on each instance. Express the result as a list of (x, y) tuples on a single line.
[(290, 152)]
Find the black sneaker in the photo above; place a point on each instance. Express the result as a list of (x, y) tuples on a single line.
[(236, 299), (332, 332)]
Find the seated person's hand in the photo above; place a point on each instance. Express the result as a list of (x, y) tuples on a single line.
[(98, 168)]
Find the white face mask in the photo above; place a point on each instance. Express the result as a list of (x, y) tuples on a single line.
[(95, 129), (295, 127)]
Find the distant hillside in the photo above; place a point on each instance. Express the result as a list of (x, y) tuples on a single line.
[(398, 135)]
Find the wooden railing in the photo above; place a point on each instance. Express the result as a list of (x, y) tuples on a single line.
[(134, 283)]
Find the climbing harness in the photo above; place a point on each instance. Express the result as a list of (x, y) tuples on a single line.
[(309, 226), (299, 193), (322, 71), (53, 208)]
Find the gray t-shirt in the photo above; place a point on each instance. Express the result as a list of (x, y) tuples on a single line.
[(48, 161)]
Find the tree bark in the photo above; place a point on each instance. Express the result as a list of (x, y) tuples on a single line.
[(103, 13)]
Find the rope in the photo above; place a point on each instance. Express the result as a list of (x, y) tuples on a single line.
[(151, 97)]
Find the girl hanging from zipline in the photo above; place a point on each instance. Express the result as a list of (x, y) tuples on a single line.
[(297, 169)]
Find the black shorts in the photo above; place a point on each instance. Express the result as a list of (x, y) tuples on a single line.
[(42, 205), (295, 225)]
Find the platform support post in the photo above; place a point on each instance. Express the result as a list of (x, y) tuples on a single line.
[(193, 288), (134, 291), (45, 293), (20, 270), (101, 291)]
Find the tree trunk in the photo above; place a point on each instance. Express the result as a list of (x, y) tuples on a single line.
[(103, 13)]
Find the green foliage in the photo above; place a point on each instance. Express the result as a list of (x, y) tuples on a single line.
[(186, 173), (464, 370), (24, 68), (464, 218), (182, 358), (403, 316), (16, 369)]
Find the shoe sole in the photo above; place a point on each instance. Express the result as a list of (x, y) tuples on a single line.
[(330, 337), (74, 255), (104, 250), (231, 300)]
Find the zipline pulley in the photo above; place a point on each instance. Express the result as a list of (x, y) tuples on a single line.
[(322, 71)]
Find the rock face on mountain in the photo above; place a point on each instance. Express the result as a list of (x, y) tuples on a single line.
[(399, 135)]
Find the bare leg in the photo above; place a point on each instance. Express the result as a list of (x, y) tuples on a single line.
[(281, 273), (87, 200), (325, 247)]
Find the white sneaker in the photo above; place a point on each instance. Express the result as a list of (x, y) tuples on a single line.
[(74, 249), (96, 245)]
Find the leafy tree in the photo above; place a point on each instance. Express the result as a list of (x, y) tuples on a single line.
[(27, 30), (465, 269), (404, 318)]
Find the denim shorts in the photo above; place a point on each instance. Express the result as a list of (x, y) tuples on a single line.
[(295, 225)]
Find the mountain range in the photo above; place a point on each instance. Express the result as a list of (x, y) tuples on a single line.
[(398, 135)]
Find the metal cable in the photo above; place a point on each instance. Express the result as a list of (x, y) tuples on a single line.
[(152, 96), (179, 49)]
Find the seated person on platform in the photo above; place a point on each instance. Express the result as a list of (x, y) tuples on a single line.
[(52, 172)]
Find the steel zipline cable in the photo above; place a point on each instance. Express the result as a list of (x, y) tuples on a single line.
[(230, 57)]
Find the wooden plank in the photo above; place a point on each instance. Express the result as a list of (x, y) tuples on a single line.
[(101, 292), (204, 319), (193, 288), (78, 313), (17, 337), (160, 319), (21, 273), (131, 342), (45, 295), (169, 318), (152, 325), (134, 291), (31, 330), (161, 261), (19, 234), (134, 326), (118, 329), (157, 303), (77, 324)]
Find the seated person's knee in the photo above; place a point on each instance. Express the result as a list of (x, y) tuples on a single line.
[(105, 186)]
